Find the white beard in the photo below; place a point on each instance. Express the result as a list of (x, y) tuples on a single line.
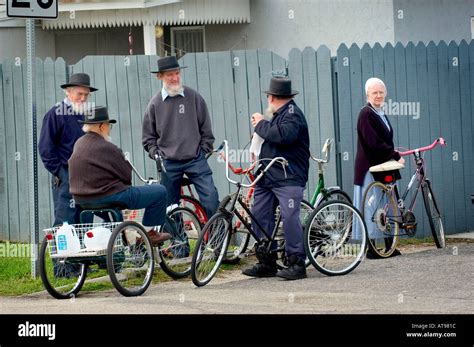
[(79, 108), (175, 90), (269, 111)]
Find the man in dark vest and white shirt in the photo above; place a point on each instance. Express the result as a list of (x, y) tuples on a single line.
[(178, 128)]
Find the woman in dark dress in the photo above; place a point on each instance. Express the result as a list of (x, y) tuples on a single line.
[(374, 143)]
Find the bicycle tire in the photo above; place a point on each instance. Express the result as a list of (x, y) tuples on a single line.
[(176, 253), (239, 238), (129, 255), (380, 212), (337, 194), (195, 206), (332, 244), (434, 215), (61, 283), (210, 249)]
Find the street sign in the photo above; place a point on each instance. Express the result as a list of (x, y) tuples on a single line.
[(32, 8)]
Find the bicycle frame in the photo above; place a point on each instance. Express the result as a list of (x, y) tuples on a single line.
[(418, 175), (236, 198)]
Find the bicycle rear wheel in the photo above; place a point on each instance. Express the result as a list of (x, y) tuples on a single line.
[(382, 219), (434, 216), (336, 194), (195, 206), (211, 248), (62, 277), (130, 259), (335, 238), (176, 253)]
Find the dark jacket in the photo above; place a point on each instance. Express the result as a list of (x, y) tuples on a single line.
[(286, 135), (97, 169), (59, 133), (374, 143)]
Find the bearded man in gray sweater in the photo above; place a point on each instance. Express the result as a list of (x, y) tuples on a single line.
[(177, 127)]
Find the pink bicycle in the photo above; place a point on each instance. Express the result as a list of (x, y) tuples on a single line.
[(385, 212)]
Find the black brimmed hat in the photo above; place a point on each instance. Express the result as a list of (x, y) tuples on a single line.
[(97, 115), (79, 80), (280, 86), (168, 64)]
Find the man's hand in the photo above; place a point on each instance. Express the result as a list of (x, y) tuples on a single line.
[(402, 161), (256, 118), (57, 181)]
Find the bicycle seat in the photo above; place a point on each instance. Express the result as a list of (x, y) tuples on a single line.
[(390, 165), (104, 205)]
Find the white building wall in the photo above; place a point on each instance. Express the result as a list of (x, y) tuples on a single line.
[(279, 25)]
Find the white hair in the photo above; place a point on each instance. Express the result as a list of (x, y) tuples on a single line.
[(86, 128), (373, 81)]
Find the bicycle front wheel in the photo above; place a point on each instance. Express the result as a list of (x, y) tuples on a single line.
[(130, 259), (382, 218), (335, 238), (239, 238), (434, 216), (176, 253), (211, 248), (62, 277)]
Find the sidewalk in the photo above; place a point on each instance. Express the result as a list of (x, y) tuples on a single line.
[(468, 236)]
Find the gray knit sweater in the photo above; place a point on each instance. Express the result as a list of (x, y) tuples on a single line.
[(177, 126), (97, 168)]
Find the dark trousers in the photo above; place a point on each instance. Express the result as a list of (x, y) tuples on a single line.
[(150, 197), (289, 198), (199, 173), (64, 205)]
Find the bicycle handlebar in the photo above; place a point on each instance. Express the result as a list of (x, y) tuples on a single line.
[(280, 160), (237, 171), (159, 163), (147, 181), (215, 150), (440, 141), (326, 152)]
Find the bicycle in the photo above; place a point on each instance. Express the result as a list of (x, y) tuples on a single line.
[(241, 237), (385, 211), (175, 254), (321, 193), (214, 239)]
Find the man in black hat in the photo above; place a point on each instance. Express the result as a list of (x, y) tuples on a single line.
[(285, 135), (99, 173), (178, 128), (59, 133)]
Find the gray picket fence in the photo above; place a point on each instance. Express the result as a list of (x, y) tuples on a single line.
[(331, 95), (437, 79)]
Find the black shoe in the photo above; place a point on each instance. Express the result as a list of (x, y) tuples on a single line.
[(296, 270), (261, 270), (395, 253), (370, 255)]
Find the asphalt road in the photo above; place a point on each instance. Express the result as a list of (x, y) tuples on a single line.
[(428, 281)]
